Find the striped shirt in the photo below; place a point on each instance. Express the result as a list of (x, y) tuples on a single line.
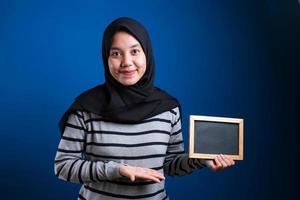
[(92, 150)]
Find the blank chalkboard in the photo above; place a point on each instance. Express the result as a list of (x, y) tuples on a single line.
[(210, 136)]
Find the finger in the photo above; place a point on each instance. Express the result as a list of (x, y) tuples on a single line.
[(132, 177), (149, 177), (153, 178), (149, 174), (230, 160), (160, 177), (233, 162), (226, 160), (156, 174), (218, 162), (223, 163)]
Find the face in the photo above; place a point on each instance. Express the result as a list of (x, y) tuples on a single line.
[(127, 60)]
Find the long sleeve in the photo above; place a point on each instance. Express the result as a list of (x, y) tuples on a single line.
[(70, 163), (177, 162)]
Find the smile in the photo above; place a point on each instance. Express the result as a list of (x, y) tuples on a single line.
[(128, 73)]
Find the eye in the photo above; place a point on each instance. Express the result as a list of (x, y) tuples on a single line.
[(135, 52), (115, 54)]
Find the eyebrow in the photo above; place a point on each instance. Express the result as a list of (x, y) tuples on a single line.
[(133, 46)]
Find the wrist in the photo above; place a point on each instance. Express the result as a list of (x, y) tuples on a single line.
[(203, 162), (121, 169)]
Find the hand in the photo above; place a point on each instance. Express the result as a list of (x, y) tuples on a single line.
[(142, 173), (219, 163)]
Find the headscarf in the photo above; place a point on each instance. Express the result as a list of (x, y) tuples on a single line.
[(119, 103)]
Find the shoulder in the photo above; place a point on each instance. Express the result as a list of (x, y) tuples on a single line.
[(94, 99), (171, 115), (94, 93), (175, 111), (164, 93), (89, 100), (170, 102), (175, 114)]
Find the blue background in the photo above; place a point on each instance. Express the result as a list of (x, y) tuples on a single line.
[(222, 58)]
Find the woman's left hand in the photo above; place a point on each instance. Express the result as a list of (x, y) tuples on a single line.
[(219, 163)]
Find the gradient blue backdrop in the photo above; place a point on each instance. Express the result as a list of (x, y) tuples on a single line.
[(223, 58)]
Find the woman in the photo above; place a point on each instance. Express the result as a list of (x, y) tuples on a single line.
[(121, 138)]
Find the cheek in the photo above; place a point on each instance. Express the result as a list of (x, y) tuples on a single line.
[(142, 64), (113, 65)]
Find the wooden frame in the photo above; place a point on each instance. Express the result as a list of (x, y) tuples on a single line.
[(213, 126)]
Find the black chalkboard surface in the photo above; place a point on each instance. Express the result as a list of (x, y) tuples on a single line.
[(210, 136)]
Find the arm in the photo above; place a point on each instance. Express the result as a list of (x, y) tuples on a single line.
[(70, 164), (177, 162)]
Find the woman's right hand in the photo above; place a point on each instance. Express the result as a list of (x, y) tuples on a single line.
[(141, 173)]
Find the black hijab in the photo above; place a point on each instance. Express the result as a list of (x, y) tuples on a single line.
[(116, 102)]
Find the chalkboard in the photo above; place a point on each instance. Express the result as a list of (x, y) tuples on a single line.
[(210, 136)]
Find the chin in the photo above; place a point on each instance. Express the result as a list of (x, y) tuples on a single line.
[(128, 82)]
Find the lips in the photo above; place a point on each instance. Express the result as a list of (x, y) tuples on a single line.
[(128, 73)]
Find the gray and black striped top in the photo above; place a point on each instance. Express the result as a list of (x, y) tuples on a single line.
[(91, 151)]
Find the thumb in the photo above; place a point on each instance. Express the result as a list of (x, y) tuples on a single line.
[(132, 177), (209, 163)]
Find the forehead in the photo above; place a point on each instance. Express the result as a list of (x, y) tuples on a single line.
[(124, 40)]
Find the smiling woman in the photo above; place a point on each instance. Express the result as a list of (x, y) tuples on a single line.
[(121, 138), (127, 60)]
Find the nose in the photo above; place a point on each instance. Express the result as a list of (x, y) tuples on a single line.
[(126, 61)]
